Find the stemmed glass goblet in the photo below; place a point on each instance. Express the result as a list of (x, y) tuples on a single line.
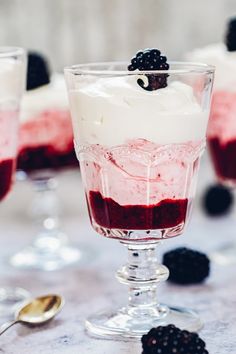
[(221, 139), (46, 150), (12, 79), (139, 155)]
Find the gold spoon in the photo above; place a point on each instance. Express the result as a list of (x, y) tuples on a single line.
[(38, 311)]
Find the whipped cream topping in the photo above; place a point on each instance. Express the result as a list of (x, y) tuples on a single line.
[(222, 117), (224, 61), (111, 111), (11, 79), (48, 97)]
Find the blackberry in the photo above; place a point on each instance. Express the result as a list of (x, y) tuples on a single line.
[(186, 266), (217, 200), (230, 38), (149, 60), (172, 340), (37, 71)]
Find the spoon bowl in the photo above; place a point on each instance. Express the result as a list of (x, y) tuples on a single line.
[(37, 312), (40, 310)]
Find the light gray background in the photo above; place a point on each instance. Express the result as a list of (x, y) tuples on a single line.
[(76, 31)]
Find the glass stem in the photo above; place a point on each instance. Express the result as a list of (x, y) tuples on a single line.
[(45, 210), (142, 273)]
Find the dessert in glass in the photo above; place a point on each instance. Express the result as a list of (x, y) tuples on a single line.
[(12, 78), (221, 132), (139, 134), (45, 149)]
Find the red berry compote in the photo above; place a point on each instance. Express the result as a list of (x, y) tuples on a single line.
[(8, 147)]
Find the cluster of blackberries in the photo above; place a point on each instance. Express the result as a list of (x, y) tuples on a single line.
[(149, 60), (37, 72), (186, 266), (230, 39), (170, 339), (217, 200)]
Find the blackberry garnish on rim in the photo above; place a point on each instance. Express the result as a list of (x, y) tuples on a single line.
[(230, 39), (38, 73), (150, 60)]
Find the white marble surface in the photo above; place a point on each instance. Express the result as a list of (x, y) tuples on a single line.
[(91, 287)]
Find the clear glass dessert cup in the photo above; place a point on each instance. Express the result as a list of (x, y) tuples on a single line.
[(221, 140), (12, 78), (139, 156), (46, 149)]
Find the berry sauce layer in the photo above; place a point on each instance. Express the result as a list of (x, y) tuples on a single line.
[(163, 215), (46, 142), (224, 158), (222, 135), (45, 157), (8, 148), (140, 186), (7, 168)]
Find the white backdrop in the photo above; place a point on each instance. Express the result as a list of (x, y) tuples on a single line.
[(71, 31)]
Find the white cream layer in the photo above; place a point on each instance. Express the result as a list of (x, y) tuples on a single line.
[(51, 96), (11, 81), (110, 111), (222, 59)]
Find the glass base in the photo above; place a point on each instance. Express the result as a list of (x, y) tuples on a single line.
[(11, 299), (34, 258), (124, 324), (225, 255)]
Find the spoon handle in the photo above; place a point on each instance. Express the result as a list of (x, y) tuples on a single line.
[(7, 325)]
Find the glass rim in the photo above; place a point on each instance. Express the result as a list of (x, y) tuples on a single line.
[(184, 67), (6, 51)]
